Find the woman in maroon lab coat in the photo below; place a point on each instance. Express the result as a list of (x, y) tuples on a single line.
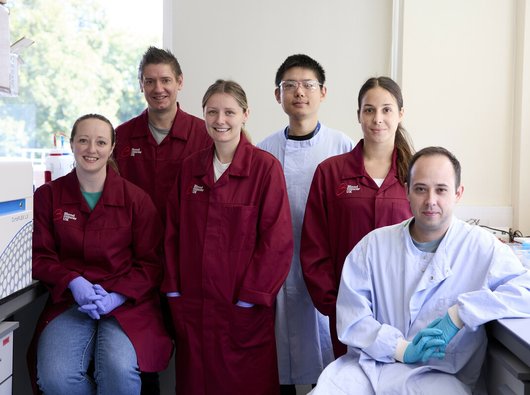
[(354, 193), (228, 250), (96, 247)]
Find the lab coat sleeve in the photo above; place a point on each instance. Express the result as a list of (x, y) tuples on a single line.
[(507, 294), (315, 250), (356, 305), (171, 281), (273, 252), (46, 264), (145, 274)]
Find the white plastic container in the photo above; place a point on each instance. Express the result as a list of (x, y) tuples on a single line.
[(58, 163)]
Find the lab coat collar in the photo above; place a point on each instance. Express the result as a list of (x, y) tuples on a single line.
[(440, 266), (180, 129), (454, 227), (297, 144), (113, 193), (113, 189), (240, 166), (353, 167), (242, 160)]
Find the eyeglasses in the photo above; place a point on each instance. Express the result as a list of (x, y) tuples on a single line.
[(292, 85)]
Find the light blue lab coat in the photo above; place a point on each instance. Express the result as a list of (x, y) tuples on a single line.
[(390, 289), (302, 334)]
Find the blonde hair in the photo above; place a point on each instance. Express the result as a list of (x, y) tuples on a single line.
[(233, 89)]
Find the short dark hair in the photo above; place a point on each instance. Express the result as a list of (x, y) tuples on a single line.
[(303, 61), (432, 151), (155, 55)]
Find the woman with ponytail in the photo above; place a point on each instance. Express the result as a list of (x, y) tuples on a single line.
[(354, 193)]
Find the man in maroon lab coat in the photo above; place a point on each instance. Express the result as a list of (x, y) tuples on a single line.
[(150, 147)]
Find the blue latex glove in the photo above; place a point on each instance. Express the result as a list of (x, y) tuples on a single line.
[(91, 310), (447, 326), (426, 344), (83, 291), (109, 301)]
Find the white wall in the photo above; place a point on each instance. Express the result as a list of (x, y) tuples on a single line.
[(247, 41), (463, 65), (521, 148), (460, 79)]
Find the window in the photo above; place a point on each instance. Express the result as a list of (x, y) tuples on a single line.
[(84, 60)]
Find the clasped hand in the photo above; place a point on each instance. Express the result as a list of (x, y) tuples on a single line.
[(428, 343), (446, 325), (104, 304)]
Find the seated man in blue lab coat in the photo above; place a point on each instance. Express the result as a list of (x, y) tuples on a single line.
[(414, 296)]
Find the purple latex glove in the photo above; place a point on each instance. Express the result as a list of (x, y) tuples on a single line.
[(91, 310), (246, 305), (109, 301), (83, 291)]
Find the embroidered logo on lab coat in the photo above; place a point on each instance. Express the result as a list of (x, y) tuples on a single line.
[(124, 153), (65, 216), (347, 188), (128, 151), (69, 216), (136, 151), (195, 188)]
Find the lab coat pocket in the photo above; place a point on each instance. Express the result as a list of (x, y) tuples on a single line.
[(251, 327), (240, 227)]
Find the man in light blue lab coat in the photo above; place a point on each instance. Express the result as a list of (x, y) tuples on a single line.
[(414, 296), (303, 342)]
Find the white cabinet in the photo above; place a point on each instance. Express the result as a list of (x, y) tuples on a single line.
[(6, 356)]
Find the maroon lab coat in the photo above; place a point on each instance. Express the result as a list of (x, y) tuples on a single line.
[(227, 241), (344, 204), (116, 245), (153, 166)]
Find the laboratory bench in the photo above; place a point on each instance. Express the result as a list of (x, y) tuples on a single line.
[(20, 299)]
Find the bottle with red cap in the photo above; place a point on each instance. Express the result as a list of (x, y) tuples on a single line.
[(59, 161)]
